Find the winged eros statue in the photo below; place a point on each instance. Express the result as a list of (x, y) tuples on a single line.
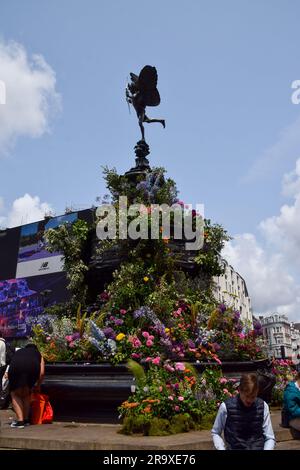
[(142, 92)]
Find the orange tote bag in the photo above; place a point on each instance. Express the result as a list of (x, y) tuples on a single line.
[(38, 402)]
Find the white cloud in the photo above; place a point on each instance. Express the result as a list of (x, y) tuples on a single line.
[(285, 149), (291, 182), (271, 266), (271, 286), (30, 94), (283, 231), (24, 210)]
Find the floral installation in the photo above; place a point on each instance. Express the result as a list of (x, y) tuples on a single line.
[(153, 313), (171, 397)]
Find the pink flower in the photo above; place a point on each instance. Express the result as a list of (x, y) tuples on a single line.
[(179, 366), (69, 338), (145, 334), (225, 391), (170, 397), (135, 355), (156, 361), (151, 337), (148, 359), (180, 398), (122, 311), (169, 368), (149, 343), (136, 343), (176, 408), (160, 389), (223, 380)]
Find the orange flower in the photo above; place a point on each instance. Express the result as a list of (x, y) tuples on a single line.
[(127, 404), (147, 409), (150, 400)]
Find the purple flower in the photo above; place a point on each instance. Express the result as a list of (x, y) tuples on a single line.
[(109, 332), (222, 308), (237, 315), (191, 344)]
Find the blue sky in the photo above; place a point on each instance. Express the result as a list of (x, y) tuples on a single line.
[(225, 72)]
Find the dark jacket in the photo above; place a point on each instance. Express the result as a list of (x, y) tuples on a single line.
[(244, 425), (291, 401)]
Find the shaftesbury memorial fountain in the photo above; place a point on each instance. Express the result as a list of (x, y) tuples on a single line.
[(94, 390)]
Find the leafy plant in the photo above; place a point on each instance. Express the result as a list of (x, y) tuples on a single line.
[(70, 239)]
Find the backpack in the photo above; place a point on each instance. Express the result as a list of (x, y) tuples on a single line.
[(10, 351)]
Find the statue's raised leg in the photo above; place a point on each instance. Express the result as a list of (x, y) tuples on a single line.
[(162, 121)]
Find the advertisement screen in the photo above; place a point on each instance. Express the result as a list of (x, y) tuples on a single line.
[(24, 299), (34, 258)]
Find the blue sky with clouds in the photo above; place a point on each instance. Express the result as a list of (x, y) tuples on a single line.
[(232, 137)]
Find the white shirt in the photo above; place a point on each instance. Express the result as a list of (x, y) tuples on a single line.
[(2, 352), (220, 422)]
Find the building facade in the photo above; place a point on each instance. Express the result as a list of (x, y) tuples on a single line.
[(231, 289), (295, 337), (278, 336)]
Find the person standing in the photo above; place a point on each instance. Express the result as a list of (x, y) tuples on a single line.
[(291, 402), (2, 356), (245, 420), (26, 370)]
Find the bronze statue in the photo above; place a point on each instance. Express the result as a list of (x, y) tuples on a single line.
[(142, 92)]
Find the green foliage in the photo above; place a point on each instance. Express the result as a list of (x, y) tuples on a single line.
[(70, 239), (175, 398), (137, 371), (59, 310), (208, 257), (160, 190), (135, 425), (130, 287)]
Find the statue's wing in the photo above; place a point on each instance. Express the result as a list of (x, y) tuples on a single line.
[(147, 85), (134, 77)]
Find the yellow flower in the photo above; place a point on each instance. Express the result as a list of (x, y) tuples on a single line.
[(167, 330), (120, 336), (146, 279)]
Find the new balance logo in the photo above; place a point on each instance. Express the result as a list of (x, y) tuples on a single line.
[(44, 265)]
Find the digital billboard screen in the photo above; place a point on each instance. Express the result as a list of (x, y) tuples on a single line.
[(25, 299)]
